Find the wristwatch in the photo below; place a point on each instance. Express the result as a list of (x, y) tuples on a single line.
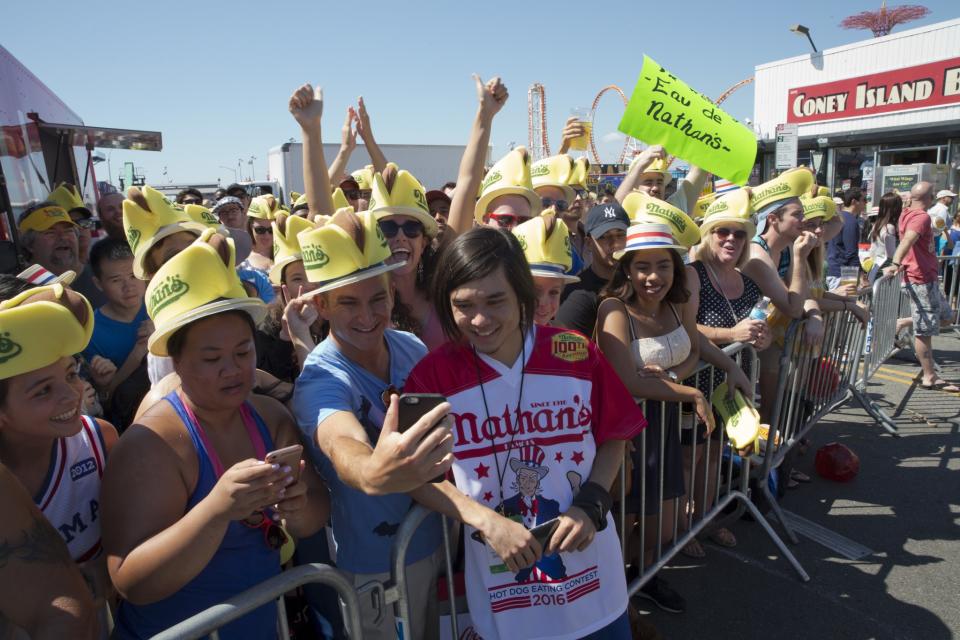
[(673, 376)]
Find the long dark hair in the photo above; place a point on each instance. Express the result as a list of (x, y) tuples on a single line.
[(890, 207), (402, 315), (622, 288), (475, 255)]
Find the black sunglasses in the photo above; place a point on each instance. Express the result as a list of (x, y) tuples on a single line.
[(411, 228), (559, 205), (352, 194), (723, 232), (262, 230)]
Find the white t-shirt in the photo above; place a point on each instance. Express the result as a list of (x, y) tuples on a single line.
[(529, 463), (939, 217)]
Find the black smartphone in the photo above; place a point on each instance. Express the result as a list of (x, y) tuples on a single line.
[(414, 406), (542, 532)]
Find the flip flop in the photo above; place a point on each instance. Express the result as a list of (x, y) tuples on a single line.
[(799, 476), (941, 385), (694, 549), (724, 537)]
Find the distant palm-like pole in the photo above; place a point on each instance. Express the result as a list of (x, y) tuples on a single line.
[(883, 21)]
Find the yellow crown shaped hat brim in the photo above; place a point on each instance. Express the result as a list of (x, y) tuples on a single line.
[(196, 283), (581, 172), (790, 184), (408, 198), (364, 177), (199, 213), (700, 208), (733, 207), (509, 176), (263, 207), (549, 256), (145, 228), (40, 326), (645, 208), (339, 200), (555, 171), (45, 217), (286, 246), (68, 197), (332, 258), (819, 207)]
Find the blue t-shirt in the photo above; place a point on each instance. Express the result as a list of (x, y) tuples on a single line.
[(364, 526), (259, 280), (112, 339)]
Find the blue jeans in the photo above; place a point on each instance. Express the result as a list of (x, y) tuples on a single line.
[(619, 629)]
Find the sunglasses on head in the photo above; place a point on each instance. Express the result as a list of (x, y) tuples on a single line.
[(559, 205), (723, 232), (262, 230), (411, 228), (273, 534), (351, 194)]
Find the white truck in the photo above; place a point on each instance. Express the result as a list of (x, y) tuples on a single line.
[(432, 164)]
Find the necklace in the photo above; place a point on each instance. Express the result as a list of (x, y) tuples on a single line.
[(486, 409)]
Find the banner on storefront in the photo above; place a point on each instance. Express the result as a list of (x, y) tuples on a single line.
[(664, 110), (919, 87)]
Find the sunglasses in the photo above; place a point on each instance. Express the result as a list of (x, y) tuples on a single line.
[(411, 228), (812, 225), (352, 194), (723, 232), (507, 220), (262, 230), (87, 223), (273, 534), (559, 205), (192, 201)]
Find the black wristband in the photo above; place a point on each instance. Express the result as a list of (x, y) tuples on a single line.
[(596, 502)]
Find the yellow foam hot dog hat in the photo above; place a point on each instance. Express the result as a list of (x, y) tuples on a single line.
[(546, 244), (44, 217), (349, 248), (789, 184), (555, 171), (68, 196), (364, 177), (286, 247), (581, 171), (509, 176), (264, 207), (199, 282), (40, 326), (659, 165), (405, 197), (741, 420), (645, 208), (199, 213), (732, 207), (821, 206), (148, 218)]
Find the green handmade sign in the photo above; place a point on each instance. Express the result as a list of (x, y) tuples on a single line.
[(664, 110)]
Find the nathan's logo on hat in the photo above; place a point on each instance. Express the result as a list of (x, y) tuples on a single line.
[(721, 205), (208, 217), (655, 209), (382, 238), (772, 190), (314, 257), (133, 238), (8, 348), (420, 198), (539, 169), (492, 177), (170, 289), (523, 243), (570, 347)]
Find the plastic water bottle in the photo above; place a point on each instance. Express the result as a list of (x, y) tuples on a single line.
[(761, 310)]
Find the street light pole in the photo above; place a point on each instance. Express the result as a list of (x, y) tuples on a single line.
[(801, 30), (253, 175), (235, 176)]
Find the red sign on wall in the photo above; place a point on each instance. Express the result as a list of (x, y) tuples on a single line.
[(926, 85)]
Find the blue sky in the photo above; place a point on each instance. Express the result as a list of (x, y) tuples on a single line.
[(215, 77)]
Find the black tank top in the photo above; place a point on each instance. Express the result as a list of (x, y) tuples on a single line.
[(714, 310)]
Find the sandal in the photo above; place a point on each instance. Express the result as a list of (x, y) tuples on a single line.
[(941, 385), (799, 476), (694, 549), (724, 537)]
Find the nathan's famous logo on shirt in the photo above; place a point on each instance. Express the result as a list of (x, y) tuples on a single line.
[(171, 289), (570, 347), (8, 348), (315, 257), (542, 417)]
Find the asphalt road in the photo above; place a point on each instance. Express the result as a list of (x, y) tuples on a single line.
[(904, 505)]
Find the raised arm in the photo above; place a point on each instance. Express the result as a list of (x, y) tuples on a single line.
[(572, 130), (491, 97), (366, 133), (789, 300), (632, 179), (306, 106), (348, 142)]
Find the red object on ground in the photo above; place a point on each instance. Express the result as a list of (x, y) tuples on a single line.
[(823, 380), (837, 462)]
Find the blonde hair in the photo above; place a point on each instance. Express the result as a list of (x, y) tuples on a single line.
[(705, 253)]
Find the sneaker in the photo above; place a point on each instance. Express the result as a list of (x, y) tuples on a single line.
[(659, 592)]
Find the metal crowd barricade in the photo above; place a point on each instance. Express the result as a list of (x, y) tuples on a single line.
[(950, 279), (886, 308), (207, 622), (814, 379)]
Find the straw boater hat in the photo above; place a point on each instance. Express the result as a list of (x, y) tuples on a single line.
[(364, 177), (733, 207), (40, 326), (645, 208), (509, 176), (546, 244), (405, 197), (349, 248), (775, 193), (555, 171), (264, 207), (148, 218), (199, 282), (68, 197), (286, 247), (649, 235), (659, 165), (38, 276), (531, 458), (43, 218)]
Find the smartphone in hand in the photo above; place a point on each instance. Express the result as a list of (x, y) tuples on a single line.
[(414, 406), (287, 456)]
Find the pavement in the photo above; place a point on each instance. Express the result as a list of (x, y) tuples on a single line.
[(904, 505)]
